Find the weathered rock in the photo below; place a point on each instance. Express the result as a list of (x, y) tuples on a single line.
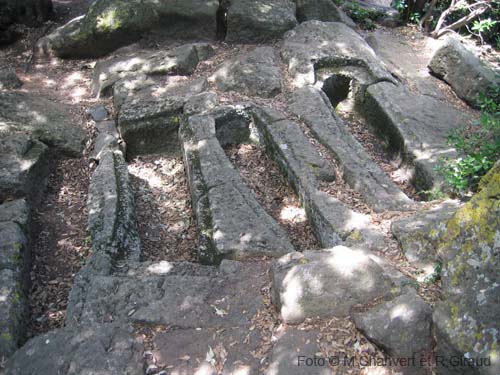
[(326, 283), (98, 113), (104, 142), (325, 46), (250, 21), (289, 348), (256, 73), (359, 170), (415, 126), (333, 222), (107, 127), (231, 222), (418, 235), (201, 103), (12, 312), (402, 327), (110, 24), (379, 11), (149, 121), (180, 60), (49, 122), (103, 349), (182, 295), (467, 319), (9, 79), (14, 266), (468, 75), (24, 168), (112, 223), (127, 87), (321, 10)]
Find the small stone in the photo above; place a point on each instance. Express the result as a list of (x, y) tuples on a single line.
[(98, 113)]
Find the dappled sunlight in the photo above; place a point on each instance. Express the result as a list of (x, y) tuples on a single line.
[(347, 262), (402, 312), (147, 175), (292, 295), (72, 79), (160, 268), (293, 214)]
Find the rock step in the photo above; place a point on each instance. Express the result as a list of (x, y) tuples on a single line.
[(359, 170), (416, 126), (333, 222), (15, 262), (231, 222), (183, 295)]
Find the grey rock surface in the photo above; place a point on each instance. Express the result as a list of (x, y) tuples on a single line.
[(9, 79), (103, 349), (250, 21), (181, 60), (321, 283), (315, 45), (321, 10), (359, 170), (402, 327), (201, 103), (255, 73), (231, 222), (49, 122), (14, 267), (334, 222), (466, 320), (112, 223), (415, 126), (467, 74), (289, 348), (24, 167), (418, 235), (149, 120), (104, 29)]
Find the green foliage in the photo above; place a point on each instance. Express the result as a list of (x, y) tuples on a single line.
[(364, 17), (479, 144), (415, 17)]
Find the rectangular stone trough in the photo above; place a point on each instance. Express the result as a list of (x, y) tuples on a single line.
[(359, 170), (333, 221), (416, 126), (232, 224)]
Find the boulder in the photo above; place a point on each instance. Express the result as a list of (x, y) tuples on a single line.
[(149, 121), (181, 60), (467, 318), (49, 122), (24, 170), (250, 21), (326, 283), (467, 74), (402, 327), (321, 10), (255, 73), (9, 79), (201, 103), (110, 24)]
